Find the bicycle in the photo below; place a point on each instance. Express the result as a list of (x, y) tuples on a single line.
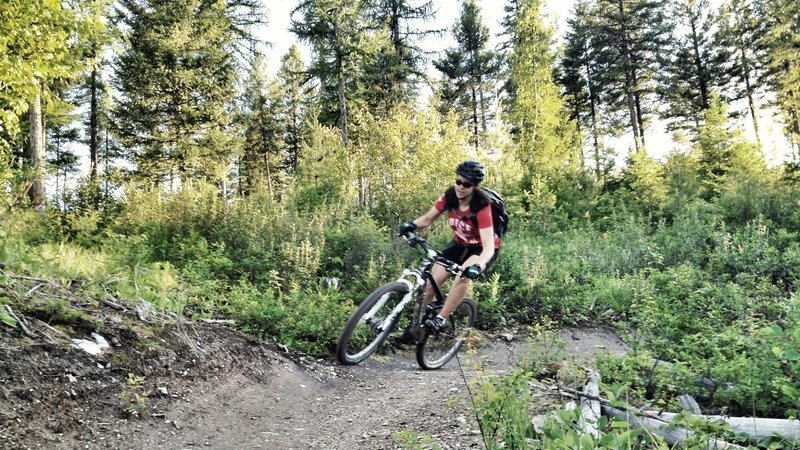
[(379, 314)]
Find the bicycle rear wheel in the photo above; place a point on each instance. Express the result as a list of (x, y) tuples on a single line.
[(437, 349), (365, 331)]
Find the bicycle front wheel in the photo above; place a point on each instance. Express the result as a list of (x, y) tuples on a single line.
[(366, 330), (437, 349)]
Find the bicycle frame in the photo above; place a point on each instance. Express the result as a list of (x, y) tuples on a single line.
[(420, 275)]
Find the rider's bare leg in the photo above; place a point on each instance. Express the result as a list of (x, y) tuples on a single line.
[(458, 290)]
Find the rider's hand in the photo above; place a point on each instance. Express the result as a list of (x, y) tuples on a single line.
[(407, 227), (472, 271)]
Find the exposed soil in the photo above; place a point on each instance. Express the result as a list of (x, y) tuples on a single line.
[(200, 385)]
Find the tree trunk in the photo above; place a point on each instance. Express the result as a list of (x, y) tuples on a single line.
[(672, 435), (340, 85), (748, 84), (698, 62), (475, 117), (629, 81), (36, 192), (93, 142), (593, 114), (294, 131), (269, 174), (342, 106), (689, 404), (590, 407), (754, 427), (639, 114)]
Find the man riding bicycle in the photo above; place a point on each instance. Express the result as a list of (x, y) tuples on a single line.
[(475, 245)]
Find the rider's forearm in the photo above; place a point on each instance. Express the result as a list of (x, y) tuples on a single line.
[(426, 219), (487, 243), (422, 222), (485, 256)]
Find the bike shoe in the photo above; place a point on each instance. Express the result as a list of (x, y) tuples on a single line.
[(436, 324), (406, 338)]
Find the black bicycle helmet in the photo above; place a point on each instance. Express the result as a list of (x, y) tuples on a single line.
[(471, 170)]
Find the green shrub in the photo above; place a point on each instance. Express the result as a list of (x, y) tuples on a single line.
[(159, 284), (689, 236), (615, 296), (501, 405), (352, 245), (21, 231), (310, 320)]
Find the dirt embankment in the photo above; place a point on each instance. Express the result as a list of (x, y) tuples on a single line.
[(198, 385)]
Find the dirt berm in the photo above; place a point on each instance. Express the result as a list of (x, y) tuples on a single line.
[(169, 383)]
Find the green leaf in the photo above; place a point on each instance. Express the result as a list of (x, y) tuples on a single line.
[(8, 320), (774, 330), (790, 392), (791, 355)]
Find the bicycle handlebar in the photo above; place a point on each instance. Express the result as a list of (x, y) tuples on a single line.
[(414, 240)]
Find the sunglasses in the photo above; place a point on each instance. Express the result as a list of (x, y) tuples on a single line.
[(464, 184)]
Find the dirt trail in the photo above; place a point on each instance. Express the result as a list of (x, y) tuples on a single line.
[(214, 388), (317, 405)]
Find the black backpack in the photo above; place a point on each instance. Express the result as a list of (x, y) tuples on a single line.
[(499, 214)]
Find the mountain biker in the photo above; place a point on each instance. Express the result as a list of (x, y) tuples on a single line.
[(475, 245)]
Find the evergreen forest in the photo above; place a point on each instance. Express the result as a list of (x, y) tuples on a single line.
[(147, 154)]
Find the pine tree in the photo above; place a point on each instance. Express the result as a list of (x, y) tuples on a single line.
[(724, 154), (294, 106), (175, 77), (61, 135), (41, 43), (782, 42), (579, 79), (470, 71), (644, 177), (261, 159), (692, 67), (628, 38), (535, 105), (337, 33), (739, 32), (682, 180), (392, 77)]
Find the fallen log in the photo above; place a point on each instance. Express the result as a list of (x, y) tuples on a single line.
[(754, 427), (672, 435), (590, 406), (689, 404), (218, 321)]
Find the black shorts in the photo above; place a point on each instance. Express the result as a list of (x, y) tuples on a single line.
[(459, 253)]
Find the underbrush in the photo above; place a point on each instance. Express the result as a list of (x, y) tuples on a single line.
[(279, 273), (529, 406), (707, 308)]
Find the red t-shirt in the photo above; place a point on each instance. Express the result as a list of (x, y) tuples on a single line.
[(466, 233)]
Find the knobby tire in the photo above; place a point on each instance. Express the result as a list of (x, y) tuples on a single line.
[(437, 349), (361, 338)]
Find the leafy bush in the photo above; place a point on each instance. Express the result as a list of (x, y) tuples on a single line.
[(159, 284), (309, 320), (501, 405), (19, 232), (689, 237), (352, 245)]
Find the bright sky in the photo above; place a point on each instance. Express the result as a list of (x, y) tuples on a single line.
[(446, 12), (658, 141)]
